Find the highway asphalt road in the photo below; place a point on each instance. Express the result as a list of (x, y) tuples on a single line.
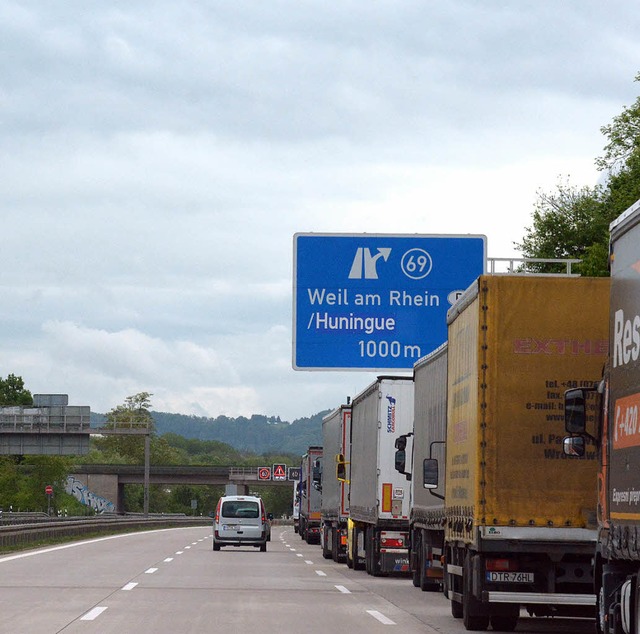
[(171, 581)]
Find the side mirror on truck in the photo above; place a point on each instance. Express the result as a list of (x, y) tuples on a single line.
[(430, 473), (577, 403), (401, 455), (316, 474), (575, 411), (573, 446), (341, 468)]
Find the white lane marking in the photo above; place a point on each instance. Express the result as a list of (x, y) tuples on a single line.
[(168, 559), (381, 617), (293, 550), (194, 543), (179, 552), (130, 586), (187, 547), (150, 571), (306, 561), (320, 573), (299, 555), (343, 590), (92, 614)]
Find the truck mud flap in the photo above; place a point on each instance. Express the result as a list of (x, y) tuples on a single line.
[(395, 562)]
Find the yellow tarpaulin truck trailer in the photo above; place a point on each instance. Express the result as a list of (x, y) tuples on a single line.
[(520, 515), (616, 433)]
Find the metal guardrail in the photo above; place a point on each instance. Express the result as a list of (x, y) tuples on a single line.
[(41, 424), (9, 518), (530, 266), (21, 535), (20, 423), (245, 473)]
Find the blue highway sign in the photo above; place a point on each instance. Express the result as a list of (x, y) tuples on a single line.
[(377, 302)]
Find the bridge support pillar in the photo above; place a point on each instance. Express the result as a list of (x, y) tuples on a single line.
[(97, 490), (120, 498)]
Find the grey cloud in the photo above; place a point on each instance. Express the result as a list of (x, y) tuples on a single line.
[(156, 162)]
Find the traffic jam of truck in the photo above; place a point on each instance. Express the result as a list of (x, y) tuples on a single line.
[(503, 472)]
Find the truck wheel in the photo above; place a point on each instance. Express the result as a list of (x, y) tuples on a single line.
[(456, 609), (636, 604), (326, 551), (426, 584), (505, 622), (472, 615), (416, 548), (263, 547), (335, 545), (372, 560), (358, 564), (216, 546), (368, 548)]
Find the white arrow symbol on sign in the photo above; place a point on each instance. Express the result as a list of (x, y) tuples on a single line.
[(364, 264)]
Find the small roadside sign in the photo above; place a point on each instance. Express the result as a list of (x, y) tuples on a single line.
[(48, 489), (293, 473), (279, 472), (264, 473)]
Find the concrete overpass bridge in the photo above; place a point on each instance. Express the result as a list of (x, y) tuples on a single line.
[(103, 485)]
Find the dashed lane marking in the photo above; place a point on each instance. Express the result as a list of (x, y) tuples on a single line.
[(385, 620), (93, 614)]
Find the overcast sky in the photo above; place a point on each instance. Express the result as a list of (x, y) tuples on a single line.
[(157, 158)]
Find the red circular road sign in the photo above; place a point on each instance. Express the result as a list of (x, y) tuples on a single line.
[(48, 489), (264, 473)]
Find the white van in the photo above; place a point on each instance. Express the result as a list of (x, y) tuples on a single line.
[(240, 520)]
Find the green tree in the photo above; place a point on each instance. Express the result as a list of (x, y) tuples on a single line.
[(570, 223), (13, 392), (623, 135), (132, 415), (23, 480)]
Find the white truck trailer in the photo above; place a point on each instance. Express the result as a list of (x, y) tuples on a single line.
[(379, 501)]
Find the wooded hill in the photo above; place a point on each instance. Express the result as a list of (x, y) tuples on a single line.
[(257, 434)]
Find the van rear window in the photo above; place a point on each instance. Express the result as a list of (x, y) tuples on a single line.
[(239, 508)]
